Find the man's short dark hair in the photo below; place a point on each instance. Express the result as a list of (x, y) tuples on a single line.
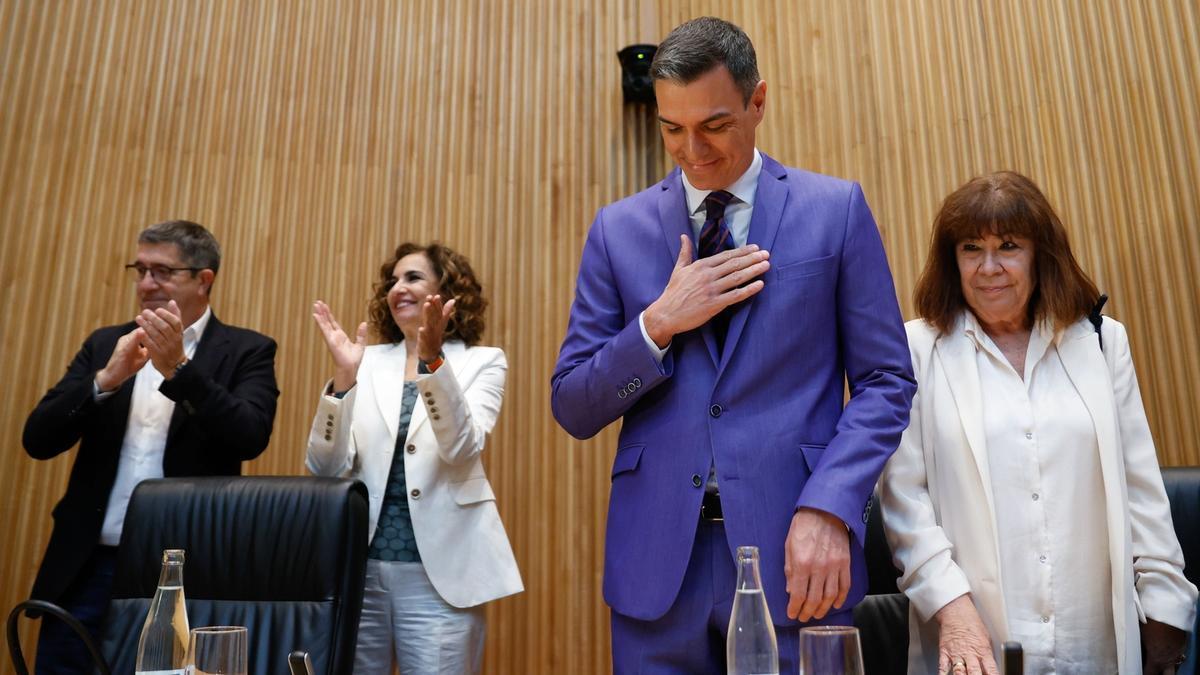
[(197, 247), (698, 46)]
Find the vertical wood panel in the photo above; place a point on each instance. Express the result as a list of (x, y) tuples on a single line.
[(312, 137)]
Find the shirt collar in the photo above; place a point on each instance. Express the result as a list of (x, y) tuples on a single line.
[(191, 334), (972, 329), (743, 188), (1042, 335)]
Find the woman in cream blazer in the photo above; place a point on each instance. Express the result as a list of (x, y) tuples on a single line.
[(987, 303), (463, 549), (938, 509)]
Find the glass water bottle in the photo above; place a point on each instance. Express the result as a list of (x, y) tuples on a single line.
[(750, 648), (162, 647)]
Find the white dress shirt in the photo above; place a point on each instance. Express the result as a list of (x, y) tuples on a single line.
[(1044, 464), (737, 219), (145, 435)]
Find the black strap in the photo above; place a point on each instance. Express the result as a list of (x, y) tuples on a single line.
[(1097, 319)]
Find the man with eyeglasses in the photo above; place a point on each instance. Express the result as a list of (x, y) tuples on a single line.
[(174, 392)]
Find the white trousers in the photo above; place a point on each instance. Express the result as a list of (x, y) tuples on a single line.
[(403, 616)]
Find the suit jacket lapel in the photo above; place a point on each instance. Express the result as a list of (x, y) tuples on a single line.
[(210, 354), (387, 379), (1085, 365), (770, 200), (390, 398), (1087, 369), (957, 353), (673, 216), (118, 406)]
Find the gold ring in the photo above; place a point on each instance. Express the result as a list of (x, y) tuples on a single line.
[(958, 662)]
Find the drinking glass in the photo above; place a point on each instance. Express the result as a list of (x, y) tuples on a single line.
[(217, 650), (830, 650)]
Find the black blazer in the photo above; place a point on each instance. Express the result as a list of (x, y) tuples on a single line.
[(224, 410)]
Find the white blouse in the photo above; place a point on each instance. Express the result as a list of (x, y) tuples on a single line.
[(1044, 464)]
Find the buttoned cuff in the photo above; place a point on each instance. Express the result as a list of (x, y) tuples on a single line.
[(655, 351), (933, 585), (1169, 599)]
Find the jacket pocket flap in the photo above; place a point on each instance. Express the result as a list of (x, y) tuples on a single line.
[(627, 458), (812, 455), (805, 268), (473, 490)]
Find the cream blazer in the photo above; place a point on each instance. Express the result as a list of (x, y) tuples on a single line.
[(463, 545), (937, 501)]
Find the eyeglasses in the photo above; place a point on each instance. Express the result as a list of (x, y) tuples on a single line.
[(161, 273)]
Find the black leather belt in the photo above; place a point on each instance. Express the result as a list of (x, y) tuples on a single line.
[(710, 507)]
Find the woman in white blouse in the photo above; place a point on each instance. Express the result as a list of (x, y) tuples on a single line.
[(409, 417), (1025, 501)]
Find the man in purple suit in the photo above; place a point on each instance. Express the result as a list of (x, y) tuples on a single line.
[(720, 314)]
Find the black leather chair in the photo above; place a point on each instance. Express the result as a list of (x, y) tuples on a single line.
[(1183, 491), (284, 556), (882, 616)]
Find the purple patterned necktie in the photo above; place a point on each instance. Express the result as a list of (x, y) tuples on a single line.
[(714, 235), (714, 238)]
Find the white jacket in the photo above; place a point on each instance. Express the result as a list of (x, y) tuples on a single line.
[(462, 542), (937, 501)]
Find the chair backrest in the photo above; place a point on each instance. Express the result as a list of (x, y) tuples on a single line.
[(882, 616), (284, 556), (1183, 491)]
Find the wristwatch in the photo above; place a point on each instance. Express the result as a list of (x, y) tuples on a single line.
[(179, 366), (427, 367)]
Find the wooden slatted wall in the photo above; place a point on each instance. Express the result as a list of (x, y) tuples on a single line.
[(312, 136)]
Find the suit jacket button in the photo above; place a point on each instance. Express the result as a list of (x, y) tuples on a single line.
[(696, 480), (437, 417), (416, 494), (433, 409), (411, 448), (715, 410)]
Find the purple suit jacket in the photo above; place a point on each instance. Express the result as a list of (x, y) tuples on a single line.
[(768, 408)]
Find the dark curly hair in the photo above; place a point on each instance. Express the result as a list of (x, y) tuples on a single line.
[(456, 280)]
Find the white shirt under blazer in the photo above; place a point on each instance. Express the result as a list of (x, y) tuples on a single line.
[(463, 545), (937, 489)]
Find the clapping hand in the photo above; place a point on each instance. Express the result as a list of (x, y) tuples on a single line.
[(434, 317), (162, 337), (347, 354), (128, 358)]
